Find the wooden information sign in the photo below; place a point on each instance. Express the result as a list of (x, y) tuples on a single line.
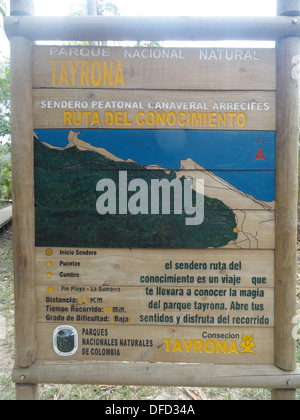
[(152, 224), (126, 268)]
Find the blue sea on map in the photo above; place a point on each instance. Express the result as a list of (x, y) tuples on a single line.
[(245, 159)]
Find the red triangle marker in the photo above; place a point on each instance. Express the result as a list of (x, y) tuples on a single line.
[(260, 155)]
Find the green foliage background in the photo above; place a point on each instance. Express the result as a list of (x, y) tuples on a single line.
[(5, 150)]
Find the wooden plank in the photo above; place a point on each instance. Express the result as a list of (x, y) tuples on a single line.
[(255, 230), (237, 190), (212, 375), (5, 216), (59, 206), (23, 201), (109, 109), (157, 304), (157, 149), (149, 68), (251, 229), (217, 185), (67, 180), (121, 267), (145, 28), (160, 343)]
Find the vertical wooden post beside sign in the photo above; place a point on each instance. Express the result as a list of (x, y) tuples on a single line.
[(23, 199), (288, 50)]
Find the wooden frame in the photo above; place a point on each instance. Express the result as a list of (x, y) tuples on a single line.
[(164, 374), (285, 378), (23, 208), (148, 28)]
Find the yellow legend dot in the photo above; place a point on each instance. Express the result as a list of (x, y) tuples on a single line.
[(235, 230), (49, 274), (49, 263)]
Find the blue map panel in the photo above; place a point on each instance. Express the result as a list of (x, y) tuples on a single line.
[(245, 159)]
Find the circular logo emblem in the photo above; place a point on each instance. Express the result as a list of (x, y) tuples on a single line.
[(65, 340)]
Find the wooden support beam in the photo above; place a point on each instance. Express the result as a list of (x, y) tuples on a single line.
[(166, 374), (184, 28)]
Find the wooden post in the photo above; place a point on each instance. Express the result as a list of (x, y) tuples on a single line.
[(288, 8), (283, 394), (92, 11), (288, 50), (26, 392), (23, 201), (21, 7), (92, 7)]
